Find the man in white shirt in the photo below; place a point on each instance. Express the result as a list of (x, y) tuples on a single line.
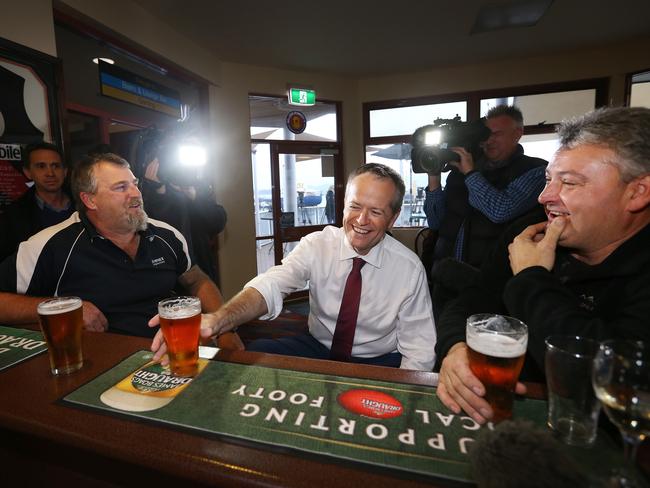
[(394, 326)]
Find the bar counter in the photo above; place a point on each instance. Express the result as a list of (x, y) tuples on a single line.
[(45, 441)]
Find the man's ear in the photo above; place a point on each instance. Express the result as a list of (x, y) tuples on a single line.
[(639, 194), (88, 200)]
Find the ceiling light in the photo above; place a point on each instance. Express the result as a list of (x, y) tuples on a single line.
[(520, 13), (106, 60)]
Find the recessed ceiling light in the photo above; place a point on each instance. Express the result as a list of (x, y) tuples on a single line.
[(106, 60)]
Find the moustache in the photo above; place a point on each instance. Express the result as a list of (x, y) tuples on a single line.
[(136, 201)]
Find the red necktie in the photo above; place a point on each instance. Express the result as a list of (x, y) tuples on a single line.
[(347, 321)]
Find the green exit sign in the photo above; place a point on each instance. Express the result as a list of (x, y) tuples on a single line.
[(301, 96)]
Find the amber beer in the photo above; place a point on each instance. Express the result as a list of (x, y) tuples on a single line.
[(496, 349), (61, 322), (180, 321)]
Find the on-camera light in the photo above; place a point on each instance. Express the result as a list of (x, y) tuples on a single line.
[(432, 137), (192, 155)]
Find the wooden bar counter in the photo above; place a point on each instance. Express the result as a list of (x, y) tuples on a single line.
[(46, 442)]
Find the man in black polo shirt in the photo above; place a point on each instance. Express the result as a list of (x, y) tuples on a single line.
[(120, 262)]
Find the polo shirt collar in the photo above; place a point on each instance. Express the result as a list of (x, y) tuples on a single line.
[(92, 231)]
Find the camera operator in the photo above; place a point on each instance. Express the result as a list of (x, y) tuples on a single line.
[(191, 208), (479, 200)]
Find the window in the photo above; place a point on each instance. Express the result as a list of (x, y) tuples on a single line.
[(388, 126), (640, 90), (405, 120)]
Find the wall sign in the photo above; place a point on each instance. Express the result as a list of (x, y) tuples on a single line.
[(123, 85), (302, 96), (296, 122)]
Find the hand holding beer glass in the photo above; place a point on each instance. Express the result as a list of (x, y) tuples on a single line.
[(496, 347), (61, 321), (180, 322)]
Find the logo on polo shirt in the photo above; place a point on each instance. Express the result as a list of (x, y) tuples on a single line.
[(157, 261)]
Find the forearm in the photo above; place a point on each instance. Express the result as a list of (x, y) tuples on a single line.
[(450, 329), (197, 283), (502, 205), (434, 207), (247, 305), (18, 309)]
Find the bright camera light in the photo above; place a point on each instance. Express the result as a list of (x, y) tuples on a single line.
[(432, 137), (192, 155)]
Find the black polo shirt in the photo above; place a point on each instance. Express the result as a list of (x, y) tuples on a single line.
[(72, 258)]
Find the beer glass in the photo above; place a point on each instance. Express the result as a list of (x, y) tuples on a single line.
[(180, 322), (61, 322), (572, 405), (496, 349)]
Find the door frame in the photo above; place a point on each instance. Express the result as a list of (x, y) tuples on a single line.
[(282, 234)]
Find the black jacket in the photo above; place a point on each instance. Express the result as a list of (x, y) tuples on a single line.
[(608, 300), (199, 221), (20, 221)]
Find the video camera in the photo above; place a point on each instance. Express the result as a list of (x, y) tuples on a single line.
[(431, 143), (181, 158)]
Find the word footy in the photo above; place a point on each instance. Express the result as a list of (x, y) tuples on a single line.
[(7, 342), (298, 412)]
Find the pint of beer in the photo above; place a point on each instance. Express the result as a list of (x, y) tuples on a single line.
[(61, 322), (180, 322), (496, 348)]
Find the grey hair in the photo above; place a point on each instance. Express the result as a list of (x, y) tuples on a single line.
[(83, 175), (624, 130), (382, 171), (509, 111)]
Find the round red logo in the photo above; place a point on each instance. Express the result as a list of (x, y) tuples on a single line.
[(370, 403)]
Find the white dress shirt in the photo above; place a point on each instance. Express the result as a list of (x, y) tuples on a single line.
[(395, 312)]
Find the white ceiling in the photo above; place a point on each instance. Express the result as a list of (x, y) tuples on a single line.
[(362, 37)]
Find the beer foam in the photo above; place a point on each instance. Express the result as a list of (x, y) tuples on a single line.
[(180, 308), (496, 345), (58, 305), (179, 313)]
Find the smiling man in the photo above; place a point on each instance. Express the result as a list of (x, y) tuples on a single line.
[(392, 323), (585, 271), (110, 254)]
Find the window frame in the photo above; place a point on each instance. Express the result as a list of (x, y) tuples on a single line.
[(473, 100)]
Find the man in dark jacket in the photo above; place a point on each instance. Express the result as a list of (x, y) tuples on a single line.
[(584, 271), (45, 203)]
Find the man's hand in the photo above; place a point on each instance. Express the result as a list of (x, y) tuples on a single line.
[(459, 389), (151, 174), (209, 329), (94, 319), (536, 245), (466, 163)]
